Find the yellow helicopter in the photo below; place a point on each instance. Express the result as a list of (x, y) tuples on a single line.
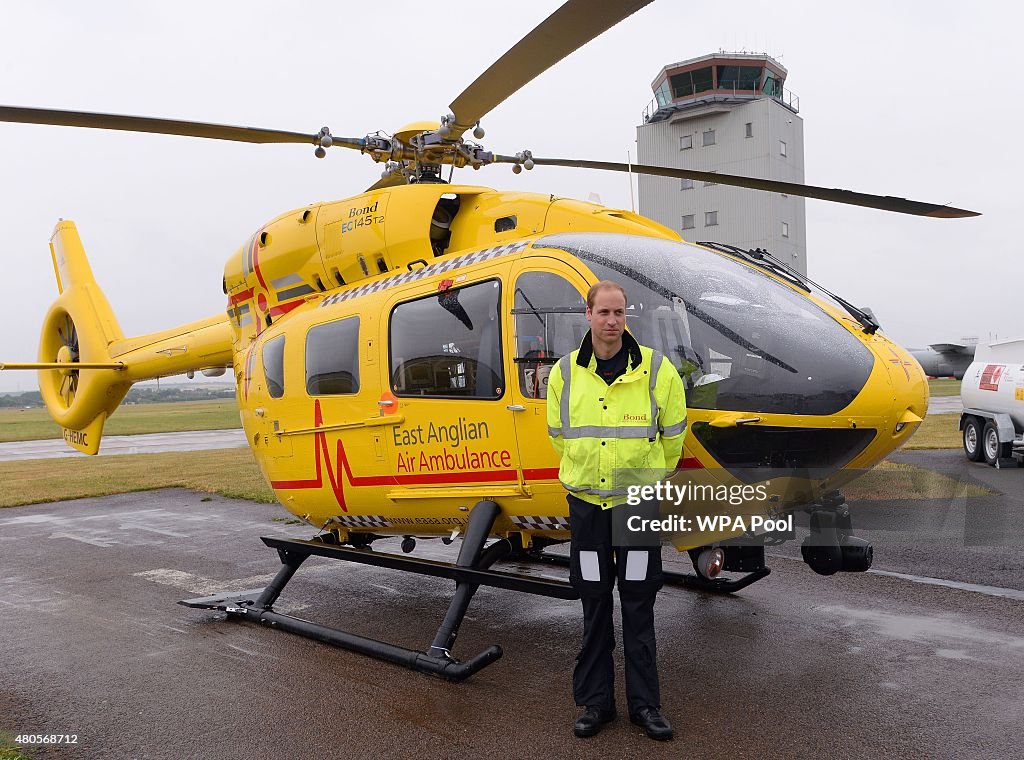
[(391, 353)]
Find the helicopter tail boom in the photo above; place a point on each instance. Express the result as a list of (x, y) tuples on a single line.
[(86, 365)]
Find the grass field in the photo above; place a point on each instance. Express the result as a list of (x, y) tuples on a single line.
[(35, 424), (938, 431), (12, 754), (9, 750), (231, 472), (891, 480), (944, 386)]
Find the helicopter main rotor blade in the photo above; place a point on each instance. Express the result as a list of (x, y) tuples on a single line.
[(883, 202), (570, 27), (164, 126)]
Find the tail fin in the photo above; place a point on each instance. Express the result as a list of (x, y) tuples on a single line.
[(80, 329)]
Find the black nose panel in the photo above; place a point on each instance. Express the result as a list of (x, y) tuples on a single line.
[(754, 453)]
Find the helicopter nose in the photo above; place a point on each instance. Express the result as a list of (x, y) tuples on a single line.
[(909, 392)]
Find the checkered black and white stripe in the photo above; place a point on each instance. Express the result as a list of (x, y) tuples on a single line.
[(361, 521), (430, 270), (541, 523)]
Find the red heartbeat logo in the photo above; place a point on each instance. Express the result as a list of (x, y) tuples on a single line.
[(333, 477)]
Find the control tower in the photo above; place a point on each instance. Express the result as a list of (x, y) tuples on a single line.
[(729, 113)]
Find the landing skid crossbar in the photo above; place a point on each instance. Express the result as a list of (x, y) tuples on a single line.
[(470, 571)]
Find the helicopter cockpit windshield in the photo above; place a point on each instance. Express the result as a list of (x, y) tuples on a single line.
[(742, 341)]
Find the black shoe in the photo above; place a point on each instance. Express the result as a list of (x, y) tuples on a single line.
[(652, 722), (590, 722)]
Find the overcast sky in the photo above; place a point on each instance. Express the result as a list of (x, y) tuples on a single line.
[(915, 99)]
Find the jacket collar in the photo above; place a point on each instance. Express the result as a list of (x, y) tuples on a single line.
[(587, 350)]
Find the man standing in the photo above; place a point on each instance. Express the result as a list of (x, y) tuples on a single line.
[(616, 409)]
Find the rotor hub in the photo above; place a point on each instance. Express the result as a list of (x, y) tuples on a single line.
[(64, 357)]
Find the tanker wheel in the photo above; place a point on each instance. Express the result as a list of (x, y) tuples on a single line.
[(991, 446), (972, 439)]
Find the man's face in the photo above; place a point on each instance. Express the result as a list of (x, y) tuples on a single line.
[(607, 317)]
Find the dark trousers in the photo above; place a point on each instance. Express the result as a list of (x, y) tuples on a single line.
[(595, 565)]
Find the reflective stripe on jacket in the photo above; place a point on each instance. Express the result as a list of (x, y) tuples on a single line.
[(613, 436)]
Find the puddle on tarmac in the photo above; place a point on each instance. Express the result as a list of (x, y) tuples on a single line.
[(949, 637)]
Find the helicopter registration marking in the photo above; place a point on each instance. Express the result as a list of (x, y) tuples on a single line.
[(428, 271), (362, 221)]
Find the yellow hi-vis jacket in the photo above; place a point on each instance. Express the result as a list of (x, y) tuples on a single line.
[(611, 437)]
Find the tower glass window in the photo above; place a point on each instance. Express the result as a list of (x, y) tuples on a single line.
[(785, 229), (685, 142), (772, 86), (688, 221), (710, 218), (750, 129), (709, 137), (739, 78), (686, 184), (662, 94), (691, 82), (782, 148)]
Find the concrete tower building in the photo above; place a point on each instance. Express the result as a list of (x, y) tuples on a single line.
[(729, 113)]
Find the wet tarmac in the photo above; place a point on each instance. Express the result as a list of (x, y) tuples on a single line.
[(945, 405), (150, 443), (92, 644)]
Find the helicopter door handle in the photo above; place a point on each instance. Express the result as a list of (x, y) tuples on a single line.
[(732, 420), (516, 408)]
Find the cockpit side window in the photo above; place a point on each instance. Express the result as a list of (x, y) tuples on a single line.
[(448, 344), (273, 366), (550, 322)]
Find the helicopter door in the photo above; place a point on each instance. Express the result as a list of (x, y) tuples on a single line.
[(449, 385), (335, 353), (261, 393), (548, 321)]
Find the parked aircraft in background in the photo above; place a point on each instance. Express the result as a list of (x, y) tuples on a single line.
[(946, 359)]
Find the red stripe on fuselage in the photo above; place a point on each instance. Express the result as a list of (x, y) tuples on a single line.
[(256, 258), (541, 473), (236, 299), (284, 308)]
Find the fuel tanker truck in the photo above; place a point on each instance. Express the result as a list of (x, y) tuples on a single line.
[(992, 392)]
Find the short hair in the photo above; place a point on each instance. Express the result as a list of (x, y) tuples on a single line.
[(605, 285)]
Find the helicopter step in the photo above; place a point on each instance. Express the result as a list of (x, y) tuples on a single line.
[(470, 571)]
